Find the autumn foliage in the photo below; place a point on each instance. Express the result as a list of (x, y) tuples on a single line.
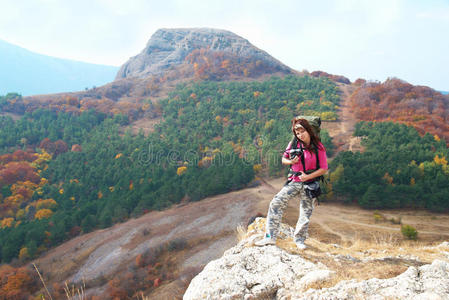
[(17, 283), (396, 100), (105, 101), (219, 65), (18, 155), (54, 148), (335, 78), (18, 171), (19, 175)]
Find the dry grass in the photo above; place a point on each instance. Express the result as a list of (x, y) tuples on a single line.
[(141, 296), (240, 232), (171, 291), (72, 293), (42, 280), (382, 255), (75, 293)]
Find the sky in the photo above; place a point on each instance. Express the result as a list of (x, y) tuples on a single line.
[(368, 39)]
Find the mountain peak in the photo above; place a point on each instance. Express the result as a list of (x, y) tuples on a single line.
[(170, 48)]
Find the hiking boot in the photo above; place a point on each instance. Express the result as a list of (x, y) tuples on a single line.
[(265, 241), (300, 245)]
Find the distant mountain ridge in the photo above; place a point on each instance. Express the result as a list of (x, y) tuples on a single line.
[(170, 57), (30, 73)]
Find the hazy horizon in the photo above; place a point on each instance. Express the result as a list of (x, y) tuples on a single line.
[(29, 73), (356, 39)]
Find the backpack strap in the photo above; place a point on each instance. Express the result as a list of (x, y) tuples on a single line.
[(317, 158), (291, 173), (303, 162), (317, 165)]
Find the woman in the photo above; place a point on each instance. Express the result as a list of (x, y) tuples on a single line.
[(311, 145)]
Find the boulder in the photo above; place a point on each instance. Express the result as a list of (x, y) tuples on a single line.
[(250, 273)]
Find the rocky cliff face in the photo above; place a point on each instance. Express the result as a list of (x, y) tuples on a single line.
[(273, 272), (169, 48)]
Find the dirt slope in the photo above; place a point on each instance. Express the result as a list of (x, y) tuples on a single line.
[(341, 131), (104, 253)]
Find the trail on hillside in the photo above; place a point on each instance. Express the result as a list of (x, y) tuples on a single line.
[(322, 218), (322, 223), (341, 131)]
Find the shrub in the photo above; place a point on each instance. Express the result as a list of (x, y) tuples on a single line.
[(329, 116), (378, 217), (409, 232), (396, 221), (177, 244)]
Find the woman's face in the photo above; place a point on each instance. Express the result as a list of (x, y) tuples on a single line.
[(302, 133)]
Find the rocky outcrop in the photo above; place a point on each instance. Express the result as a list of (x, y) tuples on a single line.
[(254, 273), (426, 282), (272, 272), (248, 272), (168, 48)]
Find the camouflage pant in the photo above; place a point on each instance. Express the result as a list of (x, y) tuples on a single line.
[(278, 205)]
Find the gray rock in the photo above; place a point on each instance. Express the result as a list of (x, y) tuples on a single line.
[(316, 276), (340, 257), (444, 244), (246, 272), (426, 282), (251, 273), (169, 47)]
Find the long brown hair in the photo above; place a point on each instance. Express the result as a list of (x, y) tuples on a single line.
[(314, 139)]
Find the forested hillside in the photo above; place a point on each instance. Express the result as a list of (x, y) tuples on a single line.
[(66, 173), (395, 100), (398, 169)]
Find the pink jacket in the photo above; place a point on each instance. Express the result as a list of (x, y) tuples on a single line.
[(309, 159)]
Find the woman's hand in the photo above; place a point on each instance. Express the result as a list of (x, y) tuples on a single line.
[(305, 177), (294, 160), (286, 161)]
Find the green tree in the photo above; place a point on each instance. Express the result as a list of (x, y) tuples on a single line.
[(373, 197)]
